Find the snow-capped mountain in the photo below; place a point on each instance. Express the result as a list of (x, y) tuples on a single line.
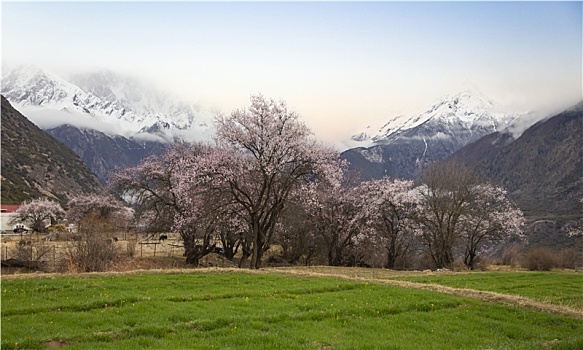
[(405, 145), (464, 115), (110, 121), (104, 101)]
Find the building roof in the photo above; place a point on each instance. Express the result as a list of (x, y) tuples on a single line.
[(9, 208)]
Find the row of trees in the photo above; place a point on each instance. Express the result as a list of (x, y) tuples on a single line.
[(97, 218), (84, 211), (449, 213), (267, 181)]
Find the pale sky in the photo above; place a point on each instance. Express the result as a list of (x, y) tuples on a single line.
[(341, 65)]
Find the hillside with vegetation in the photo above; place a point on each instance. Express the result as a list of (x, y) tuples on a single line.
[(105, 153), (542, 171), (34, 164)]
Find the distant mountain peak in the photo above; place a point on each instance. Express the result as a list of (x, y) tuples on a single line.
[(463, 104), (404, 146), (31, 86), (468, 109), (103, 100)]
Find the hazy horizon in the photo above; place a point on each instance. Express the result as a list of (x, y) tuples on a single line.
[(340, 65)]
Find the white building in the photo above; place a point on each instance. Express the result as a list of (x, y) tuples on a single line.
[(6, 215)]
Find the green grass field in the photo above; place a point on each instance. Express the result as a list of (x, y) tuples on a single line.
[(563, 288), (214, 309)]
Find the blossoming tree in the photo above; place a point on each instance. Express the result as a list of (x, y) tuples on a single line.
[(389, 208), (456, 208), (273, 152), (98, 219), (103, 211), (178, 191), (150, 186), (489, 218), (335, 217), (37, 212)]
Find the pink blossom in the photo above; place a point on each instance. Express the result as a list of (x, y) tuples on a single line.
[(38, 213)]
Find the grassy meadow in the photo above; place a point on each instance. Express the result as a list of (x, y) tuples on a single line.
[(271, 309), (564, 288)]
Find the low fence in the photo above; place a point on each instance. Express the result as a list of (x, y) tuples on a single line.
[(35, 247)]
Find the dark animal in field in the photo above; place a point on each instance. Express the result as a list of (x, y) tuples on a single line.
[(163, 238)]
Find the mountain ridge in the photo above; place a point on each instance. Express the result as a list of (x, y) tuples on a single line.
[(544, 164), (404, 149), (542, 170), (105, 153), (111, 121), (105, 101), (34, 164), (467, 107)]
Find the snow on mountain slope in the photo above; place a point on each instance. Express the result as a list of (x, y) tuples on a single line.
[(30, 86), (103, 101), (403, 147), (466, 112)]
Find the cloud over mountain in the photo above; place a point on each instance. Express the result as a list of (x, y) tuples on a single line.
[(104, 101)]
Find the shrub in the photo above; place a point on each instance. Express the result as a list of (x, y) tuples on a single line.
[(458, 265), (483, 263), (131, 247), (511, 257), (569, 258), (93, 247), (539, 259), (90, 253), (30, 254)]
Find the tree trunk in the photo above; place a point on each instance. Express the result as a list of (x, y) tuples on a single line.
[(470, 258), (332, 255), (229, 249), (257, 245), (391, 258), (228, 253), (447, 259), (244, 258)]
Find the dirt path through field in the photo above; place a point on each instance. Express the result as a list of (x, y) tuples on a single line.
[(491, 297)]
